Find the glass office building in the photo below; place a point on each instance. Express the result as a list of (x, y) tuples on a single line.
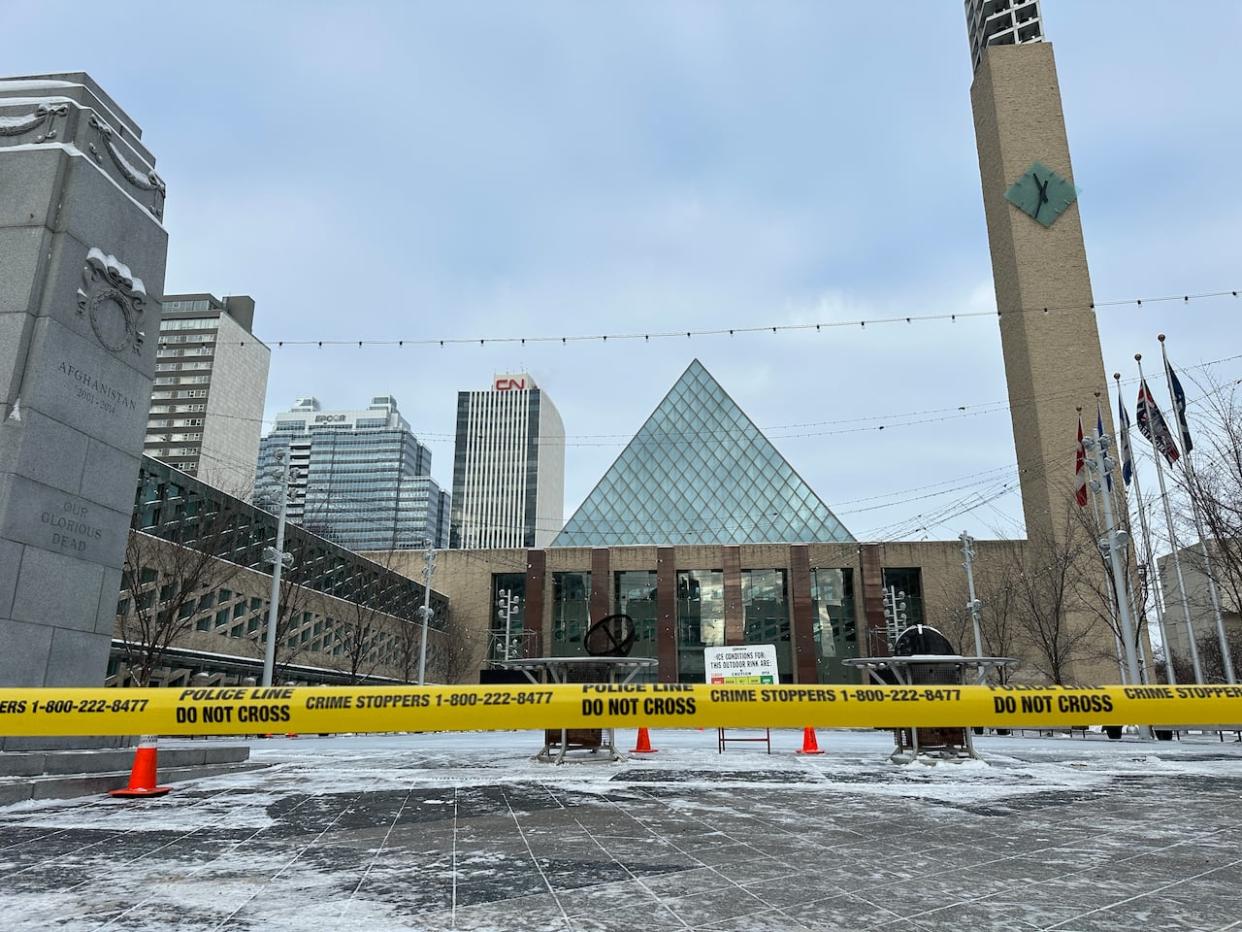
[(700, 472), (362, 479)]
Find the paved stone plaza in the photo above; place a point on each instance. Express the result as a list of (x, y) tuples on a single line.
[(464, 831)]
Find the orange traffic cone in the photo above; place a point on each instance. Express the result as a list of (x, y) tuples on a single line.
[(809, 744), (644, 743), (142, 775)]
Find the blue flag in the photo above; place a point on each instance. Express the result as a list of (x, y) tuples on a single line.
[(1179, 406), (1127, 457)]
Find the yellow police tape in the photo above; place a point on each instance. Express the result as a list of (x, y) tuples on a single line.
[(250, 710)]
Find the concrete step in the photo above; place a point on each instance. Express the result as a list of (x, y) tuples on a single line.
[(38, 763), (67, 786)]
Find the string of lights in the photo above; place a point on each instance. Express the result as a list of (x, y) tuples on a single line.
[(687, 333), (864, 422), (995, 488)]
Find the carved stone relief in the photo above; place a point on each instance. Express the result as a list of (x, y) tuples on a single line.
[(25, 123), (114, 300), (135, 175)]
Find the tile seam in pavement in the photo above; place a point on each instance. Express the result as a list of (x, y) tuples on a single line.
[(284, 867), (534, 860), (1139, 896), (1036, 883), (375, 857), (453, 913), (101, 841), (714, 869), (205, 864), (634, 877)]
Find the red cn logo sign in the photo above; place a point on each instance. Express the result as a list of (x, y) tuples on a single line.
[(505, 383)]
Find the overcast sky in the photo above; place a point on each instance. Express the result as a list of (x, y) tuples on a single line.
[(417, 170)]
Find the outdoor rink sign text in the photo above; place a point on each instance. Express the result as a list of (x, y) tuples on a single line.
[(251, 710)]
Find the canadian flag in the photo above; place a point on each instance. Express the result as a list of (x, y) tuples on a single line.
[(1080, 470)]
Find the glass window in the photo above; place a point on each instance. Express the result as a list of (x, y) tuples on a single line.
[(765, 615), (700, 620), (571, 613), (833, 625), (635, 595)]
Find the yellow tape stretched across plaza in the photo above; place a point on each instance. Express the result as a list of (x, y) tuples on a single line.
[(250, 710)]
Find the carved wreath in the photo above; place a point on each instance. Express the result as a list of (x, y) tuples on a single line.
[(114, 299), (142, 180), (44, 113)]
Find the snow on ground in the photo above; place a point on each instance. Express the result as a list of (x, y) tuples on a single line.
[(466, 831)]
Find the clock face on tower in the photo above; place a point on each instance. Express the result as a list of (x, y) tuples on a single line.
[(1041, 193)]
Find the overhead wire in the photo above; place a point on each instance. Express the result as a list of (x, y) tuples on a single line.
[(686, 333)]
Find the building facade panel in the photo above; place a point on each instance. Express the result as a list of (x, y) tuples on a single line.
[(508, 466), (360, 478)]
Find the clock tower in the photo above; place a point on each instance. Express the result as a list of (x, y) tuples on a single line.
[(1051, 346)]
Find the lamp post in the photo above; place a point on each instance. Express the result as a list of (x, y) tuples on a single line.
[(279, 560)]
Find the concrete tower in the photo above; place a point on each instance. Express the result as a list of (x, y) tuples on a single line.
[(1053, 361), (82, 252)]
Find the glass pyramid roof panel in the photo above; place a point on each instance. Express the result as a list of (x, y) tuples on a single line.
[(700, 472)]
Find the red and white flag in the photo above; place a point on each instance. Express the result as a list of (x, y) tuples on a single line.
[(1080, 470)]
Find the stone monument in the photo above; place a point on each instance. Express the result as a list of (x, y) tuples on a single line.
[(82, 252)]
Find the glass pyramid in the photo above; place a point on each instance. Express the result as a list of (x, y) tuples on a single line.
[(700, 472)]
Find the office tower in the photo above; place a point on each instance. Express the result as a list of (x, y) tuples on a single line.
[(210, 382), (361, 478), (508, 466)]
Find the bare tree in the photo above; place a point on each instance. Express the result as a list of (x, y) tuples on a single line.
[(358, 639), (455, 655), (164, 578), (1097, 593), (295, 595), (1054, 623), (1216, 488), (996, 569), (409, 641)]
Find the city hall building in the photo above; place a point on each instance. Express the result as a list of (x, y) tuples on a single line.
[(704, 535)]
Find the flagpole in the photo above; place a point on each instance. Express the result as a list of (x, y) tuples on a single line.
[(1179, 409), (1098, 448), (1150, 554), (1117, 496), (1112, 603), (1112, 591), (1177, 558)]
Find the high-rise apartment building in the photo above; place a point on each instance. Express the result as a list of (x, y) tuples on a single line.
[(210, 381), (508, 466), (360, 478)]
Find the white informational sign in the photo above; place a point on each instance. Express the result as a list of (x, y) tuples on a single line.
[(751, 664)]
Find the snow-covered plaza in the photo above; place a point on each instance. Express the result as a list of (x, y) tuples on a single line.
[(464, 831)]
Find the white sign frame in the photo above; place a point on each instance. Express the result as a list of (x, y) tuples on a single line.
[(741, 665)]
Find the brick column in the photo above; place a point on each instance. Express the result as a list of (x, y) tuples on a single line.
[(666, 613), (803, 615), (735, 631), (601, 584), (536, 574), (871, 620)]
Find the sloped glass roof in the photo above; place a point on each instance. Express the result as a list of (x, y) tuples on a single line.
[(700, 472)]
